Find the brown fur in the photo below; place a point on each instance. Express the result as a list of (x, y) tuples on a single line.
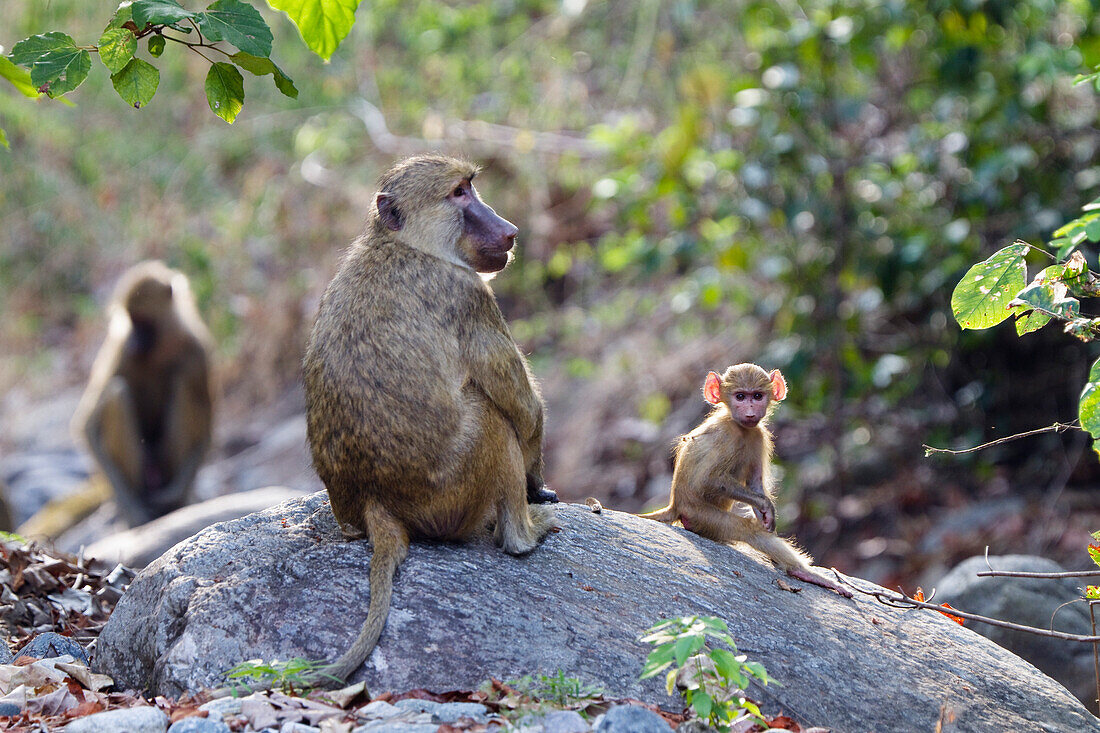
[(721, 463), (147, 411), (423, 417)]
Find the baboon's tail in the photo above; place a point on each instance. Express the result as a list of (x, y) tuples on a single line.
[(666, 515), (390, 546)]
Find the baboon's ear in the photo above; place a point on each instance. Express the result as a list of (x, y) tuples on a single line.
[(712, 388), (388, 212), (779, 385)]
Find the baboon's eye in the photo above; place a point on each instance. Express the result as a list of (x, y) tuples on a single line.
[(459, 192)]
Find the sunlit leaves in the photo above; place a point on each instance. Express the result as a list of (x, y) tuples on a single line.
[(981, 298), (137, 82), (225, 91), (1088, 406), (1048, 293), (322, 23), (1094, 548), (19, 78), (711, 679), (156, 46), (238, 23), (116, 48)]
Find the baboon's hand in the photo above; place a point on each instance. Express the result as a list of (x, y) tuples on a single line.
[(537, 493)]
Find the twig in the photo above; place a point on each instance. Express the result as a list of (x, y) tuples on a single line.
[(1023, 574), (1057, 427), (991, 573), (897, 599), (463, 132)]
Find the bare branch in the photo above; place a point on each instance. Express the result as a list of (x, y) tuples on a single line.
[(1022, 574), (897, 599), (1057, 427)]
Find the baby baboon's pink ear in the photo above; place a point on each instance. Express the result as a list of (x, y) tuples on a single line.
[(712, 388), (779, 385)]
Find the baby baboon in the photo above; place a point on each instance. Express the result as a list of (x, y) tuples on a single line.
[(423, 417), (727, 460), (147, 412)]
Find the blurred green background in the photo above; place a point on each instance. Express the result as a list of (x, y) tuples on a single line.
[(799, 184)]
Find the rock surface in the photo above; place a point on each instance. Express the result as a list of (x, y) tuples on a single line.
[(282, 583), (1032, 602)]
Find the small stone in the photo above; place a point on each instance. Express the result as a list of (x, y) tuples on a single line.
[(199, 724), (564, 721), (379, 710), (6, 657), (222, 707), (8, 708), (125, 720), (631, 719), (51, 644)]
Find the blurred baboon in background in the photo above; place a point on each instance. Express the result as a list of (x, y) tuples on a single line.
[(147, 412)]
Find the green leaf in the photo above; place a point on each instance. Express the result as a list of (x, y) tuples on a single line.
[(670, 680), (981, 298), (756, 669), (322, 23), (1032, 321), (259, 66), (703, 704), (159, 12), (156, 46), (728, 666), (1092, 230), (238, 23), (225, 91), (1048, 293), (61, 71), (29, 50), (657, 660), (686, 646), (137, 82), (121, 16), (1063, 246), (116, 48), (1088, 407), (4, 138), (19, 78)]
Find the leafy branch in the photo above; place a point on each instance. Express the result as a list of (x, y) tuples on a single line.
[(54, 64), (997, 288)]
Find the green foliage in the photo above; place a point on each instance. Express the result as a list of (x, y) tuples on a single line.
[(225, 91), (322, 23), (557, 689), (137, 82), (293, 675), (58, 65), (992, 290), (715, 685), (981, 298)]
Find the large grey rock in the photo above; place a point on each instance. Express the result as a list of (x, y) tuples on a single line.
[(139, 546), (282, 583), (1032, 602)]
